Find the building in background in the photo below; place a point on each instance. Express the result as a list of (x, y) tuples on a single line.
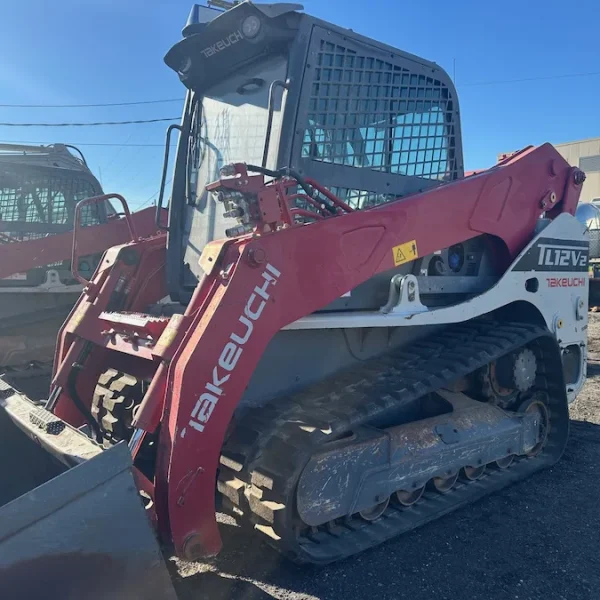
[(584, 154)]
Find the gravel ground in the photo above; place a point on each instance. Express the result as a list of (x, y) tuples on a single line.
[(535, 540)]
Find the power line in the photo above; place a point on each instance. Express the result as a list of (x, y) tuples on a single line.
[(118, 152), (85, 144), (125, 164), (89, 124), (180, 100), (540, 78), (154, 195)]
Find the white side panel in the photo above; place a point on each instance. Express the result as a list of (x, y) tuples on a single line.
[(561, 296)]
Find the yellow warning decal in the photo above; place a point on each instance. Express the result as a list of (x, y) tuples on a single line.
[(405, 252)]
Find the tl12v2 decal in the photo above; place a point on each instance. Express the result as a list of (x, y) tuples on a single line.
[(549, 254)]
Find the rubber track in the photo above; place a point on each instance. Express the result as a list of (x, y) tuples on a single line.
[(114, 390), (267, 450)]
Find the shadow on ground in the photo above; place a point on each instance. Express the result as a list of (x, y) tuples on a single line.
[(535, 540), (36, 388)]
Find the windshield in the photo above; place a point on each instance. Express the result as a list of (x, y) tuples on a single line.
[(229, 126)]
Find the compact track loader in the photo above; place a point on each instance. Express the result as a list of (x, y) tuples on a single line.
[(40, 186), (338, 338), (589, 213)]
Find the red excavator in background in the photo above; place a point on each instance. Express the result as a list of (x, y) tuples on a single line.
[(338, 338), (40, 187)]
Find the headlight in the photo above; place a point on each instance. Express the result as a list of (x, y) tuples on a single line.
[(185, 66), (251, 26)]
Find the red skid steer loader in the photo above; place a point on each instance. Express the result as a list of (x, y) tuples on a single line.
[(338, 339), (40, 186)]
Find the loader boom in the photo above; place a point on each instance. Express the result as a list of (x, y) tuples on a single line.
[(22, 256)]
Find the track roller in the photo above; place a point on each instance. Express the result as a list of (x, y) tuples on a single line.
[(404, 498), (505, 462), (375, 511), (473, 473), (537, 407), (444, 484)]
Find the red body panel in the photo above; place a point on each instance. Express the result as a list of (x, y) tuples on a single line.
[(254, 286), (17, 257)]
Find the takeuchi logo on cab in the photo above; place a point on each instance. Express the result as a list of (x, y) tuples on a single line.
[(226, 42)]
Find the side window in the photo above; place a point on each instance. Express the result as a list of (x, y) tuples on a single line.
[(38, 198), (361, 198), (420, 145), (23, 199), (369, 113), (91, 214)]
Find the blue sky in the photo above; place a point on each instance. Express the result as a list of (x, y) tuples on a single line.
[(95, 51)]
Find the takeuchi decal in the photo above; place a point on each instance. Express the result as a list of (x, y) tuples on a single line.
[(223, 44), (232, 351), (566, 282)]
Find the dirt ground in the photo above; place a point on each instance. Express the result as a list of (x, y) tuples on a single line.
[(536, 540)]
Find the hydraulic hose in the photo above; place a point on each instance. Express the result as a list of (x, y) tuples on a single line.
[(72, 388), (288, 171)]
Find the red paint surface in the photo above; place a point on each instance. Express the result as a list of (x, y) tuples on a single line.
[(18, 257)]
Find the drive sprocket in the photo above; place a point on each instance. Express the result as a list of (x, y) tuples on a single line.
[(504, 380)]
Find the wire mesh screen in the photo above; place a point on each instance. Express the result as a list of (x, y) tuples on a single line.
[(30, 196), (361, 198), (370, 113)]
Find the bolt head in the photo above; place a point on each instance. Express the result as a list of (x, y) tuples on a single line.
[(193, 548), (578, 177), (256, 256)]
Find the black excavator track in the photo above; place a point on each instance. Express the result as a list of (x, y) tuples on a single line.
[(268, 448)]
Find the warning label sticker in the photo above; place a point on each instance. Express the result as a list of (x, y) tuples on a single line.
[(405, 252)]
